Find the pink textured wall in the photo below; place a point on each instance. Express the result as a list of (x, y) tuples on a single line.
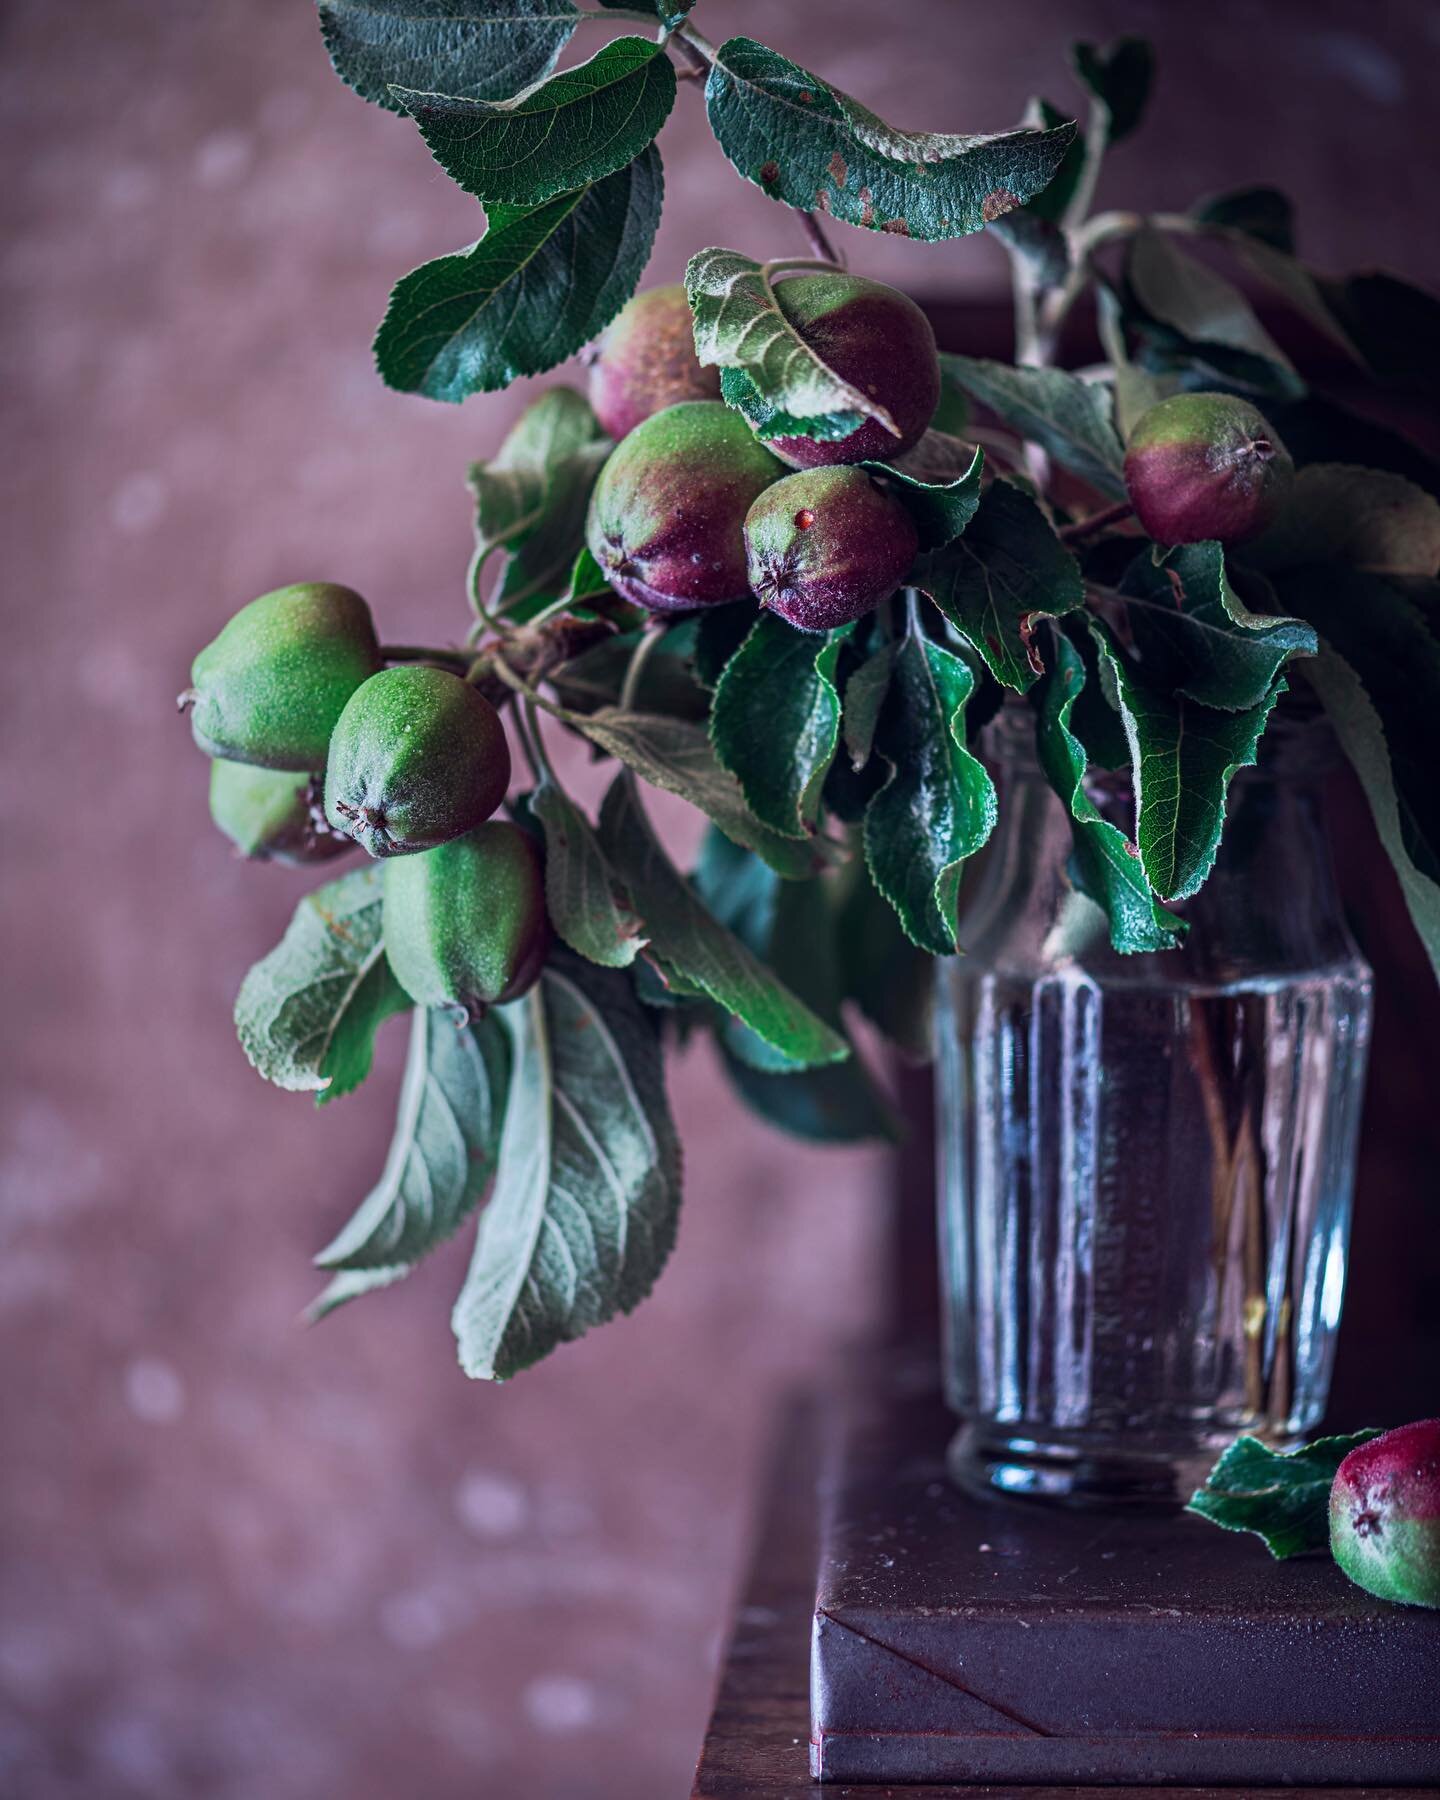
[(240, 1559)]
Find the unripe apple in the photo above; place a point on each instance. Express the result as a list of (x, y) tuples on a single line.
[(878, 340), (418, 757), (465, 924), (271, 687), (1203, 466), (826, 546), (645, 360), (272, 815), (667, 516), (1385, 1515)]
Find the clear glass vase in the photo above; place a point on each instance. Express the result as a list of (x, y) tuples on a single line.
[(1146, 1162)]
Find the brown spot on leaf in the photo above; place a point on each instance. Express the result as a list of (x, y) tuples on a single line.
[(839, 174), (896, 228), (1027, 638), (805, 97), (769, 173), (804, 519), (1132, 850), (997, 203), (867, 207)]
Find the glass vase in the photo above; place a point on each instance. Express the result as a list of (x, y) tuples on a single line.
[(1147, 1161)]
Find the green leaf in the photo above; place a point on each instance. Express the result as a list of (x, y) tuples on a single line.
[(668, 12), (938, 805), (1050, 203), (1104, 865), (794, 927), (530, 499), (1182, 755), (1120, 78), (775, 721), (1194, 634), (1282, 1498), (565, 133), (1262, 213), (676, 755), (443, 1153), (1007, 571), (537, 286), (836, 1105), (740, 328), (807, 144), (1394, 325), (865, 693), (586, 900), (1378, 674), (587, 1196), (595, 677), (1067, 417), (308, 1012), (1206, 312), (889, 978), (1361, 518), (695, 953), (941, 509), (483, 48), (587, 578), (352, 1284)]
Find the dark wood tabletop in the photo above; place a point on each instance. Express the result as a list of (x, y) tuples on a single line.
[(758, 1743)]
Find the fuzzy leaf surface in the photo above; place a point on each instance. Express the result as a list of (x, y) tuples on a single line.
[(586, 900), (775, 721), (1182, 757), (307, 1013), (563, 133), (794, 928), (1067, 417), (542, 281), (941, 508), (447, 1134), (483, 48), (1283, 1498), (530, 498), (805, 143), (1196, 635), (740, 328), (1205, 311), (694, 952), (676, 754), (938, 805), (583, 1213), (1104, 865), (865, 693), (1007, 571)]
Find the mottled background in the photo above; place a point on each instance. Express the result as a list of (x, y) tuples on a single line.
[(241, 1559)]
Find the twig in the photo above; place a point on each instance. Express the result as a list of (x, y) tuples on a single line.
[(697, 63), (642, 653), (1099, 521), (816, 238), (698, 53)]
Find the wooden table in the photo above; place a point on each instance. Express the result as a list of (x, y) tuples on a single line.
[(759, 1740)]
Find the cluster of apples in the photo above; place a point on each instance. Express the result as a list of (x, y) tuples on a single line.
[(318, 747), (693, 509)]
